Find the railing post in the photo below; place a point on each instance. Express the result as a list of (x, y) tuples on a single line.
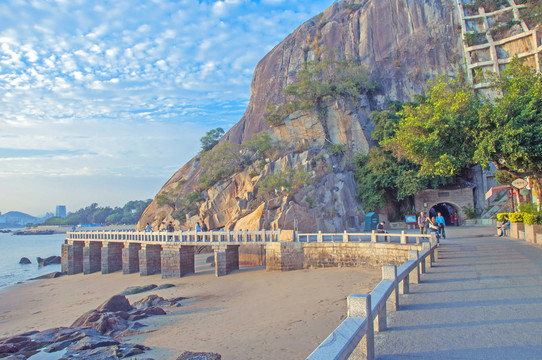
[(359, 305), (413, 255), (403, 237), (345, 237), (319, 237), (389, 272), (373, 237)]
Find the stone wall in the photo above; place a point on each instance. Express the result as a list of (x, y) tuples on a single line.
[(323, 255), (252, 255), (284, 256), (458, 198)]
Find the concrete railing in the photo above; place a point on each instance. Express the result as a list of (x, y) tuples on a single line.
[(158, 237), (367, 313), (401, 238)]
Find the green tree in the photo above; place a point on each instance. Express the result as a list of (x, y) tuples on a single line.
[(211, 139), (437, 134), (510, 127)]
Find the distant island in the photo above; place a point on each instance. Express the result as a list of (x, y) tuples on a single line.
[(129, 214)]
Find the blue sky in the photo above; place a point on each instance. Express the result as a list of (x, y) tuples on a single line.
[(102, 101)]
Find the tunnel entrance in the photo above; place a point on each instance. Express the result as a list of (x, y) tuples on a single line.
[(445, 209)]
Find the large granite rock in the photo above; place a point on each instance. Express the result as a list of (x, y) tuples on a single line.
[(402, 44)]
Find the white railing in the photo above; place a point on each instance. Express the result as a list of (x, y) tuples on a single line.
[(192, 236), (367, 313), (401, 238)]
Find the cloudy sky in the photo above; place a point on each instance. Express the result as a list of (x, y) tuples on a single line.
[(102, 101)]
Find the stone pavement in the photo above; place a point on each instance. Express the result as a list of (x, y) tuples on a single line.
[(482, 300)]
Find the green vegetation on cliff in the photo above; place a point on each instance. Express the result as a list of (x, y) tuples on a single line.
[(319, 81)]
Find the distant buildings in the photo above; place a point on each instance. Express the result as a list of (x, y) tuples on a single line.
[(60, 211)]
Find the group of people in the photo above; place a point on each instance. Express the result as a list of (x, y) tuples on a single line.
[(171, 228), (435, 224)]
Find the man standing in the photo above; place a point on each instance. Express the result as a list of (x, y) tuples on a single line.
[(441, 224), (422, 223)]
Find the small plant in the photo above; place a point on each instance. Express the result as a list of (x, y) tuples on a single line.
[(337, 149), (310, 201), (475, 38), (470, 211)]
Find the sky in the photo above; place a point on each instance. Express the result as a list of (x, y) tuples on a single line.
[(102, 101)]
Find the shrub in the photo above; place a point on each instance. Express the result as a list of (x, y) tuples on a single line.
[(516, 217), (500, 216), (528, 208), (337, 149), (531, 219)]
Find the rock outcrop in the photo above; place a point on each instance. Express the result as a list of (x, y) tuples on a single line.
[(94, 335), (401, 44)]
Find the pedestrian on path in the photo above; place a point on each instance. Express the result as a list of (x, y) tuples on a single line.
[(433, 227), (422, 223), (441, 224)]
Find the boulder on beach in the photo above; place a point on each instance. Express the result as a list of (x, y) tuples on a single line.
[(115, 303), (189, 355), (137, 289), (49, 260), (52, 275), (25, 260)]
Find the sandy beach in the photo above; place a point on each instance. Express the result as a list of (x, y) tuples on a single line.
[(248, 314)]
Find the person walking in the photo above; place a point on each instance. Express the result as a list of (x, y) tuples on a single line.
[(148, 228), (422, 223), (441, 224), (433, 227)]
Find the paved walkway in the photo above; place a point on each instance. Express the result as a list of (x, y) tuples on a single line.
[(482, 300)]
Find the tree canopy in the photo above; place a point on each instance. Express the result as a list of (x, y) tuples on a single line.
[(438, 133), (211, 138), (510, 128)]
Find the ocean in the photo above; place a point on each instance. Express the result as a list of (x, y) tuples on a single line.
[(14, 247)]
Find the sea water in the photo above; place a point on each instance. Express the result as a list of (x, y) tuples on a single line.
[(15, 247)]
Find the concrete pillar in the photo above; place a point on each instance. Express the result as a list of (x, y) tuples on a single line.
[(226, 259), (150, 262), (92, 257), (359, 305), (72, 258), (177, 261), (404, 286), (389, 272), (130, 258), (284, 256), (415, 278), (403, 240), (427, 246), (111, 257)]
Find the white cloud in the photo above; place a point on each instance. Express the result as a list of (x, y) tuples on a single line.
[(79, 76)]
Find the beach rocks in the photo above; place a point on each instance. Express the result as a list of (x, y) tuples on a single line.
[(94, 335), (49, 260), (115, 303), (139, 289), (188, 355), (25, 260)]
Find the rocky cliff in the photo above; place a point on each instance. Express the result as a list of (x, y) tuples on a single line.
[(300, 171)]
